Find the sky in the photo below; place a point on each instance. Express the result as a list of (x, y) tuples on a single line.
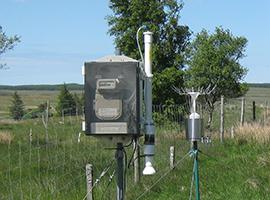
[(58, 36)]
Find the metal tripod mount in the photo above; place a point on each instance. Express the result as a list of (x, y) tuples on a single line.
[(195, 154)]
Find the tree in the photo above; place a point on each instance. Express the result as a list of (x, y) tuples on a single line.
[(17, 107), (6, 43), (162, 18), (65, 103), (214, 60), (162, 86)]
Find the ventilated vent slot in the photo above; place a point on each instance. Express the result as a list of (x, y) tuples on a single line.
[(108, 109)]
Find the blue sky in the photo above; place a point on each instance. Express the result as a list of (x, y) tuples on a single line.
[(57, 36)]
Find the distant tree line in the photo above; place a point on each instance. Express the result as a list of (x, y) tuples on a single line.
[(259, 85), (70, 86)]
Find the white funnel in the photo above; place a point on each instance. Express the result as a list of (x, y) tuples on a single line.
[(149, 169)]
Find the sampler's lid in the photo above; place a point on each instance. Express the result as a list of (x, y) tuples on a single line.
[(114, 58), (194, 116)]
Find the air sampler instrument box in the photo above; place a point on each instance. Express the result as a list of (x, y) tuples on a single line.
[(111, 89)]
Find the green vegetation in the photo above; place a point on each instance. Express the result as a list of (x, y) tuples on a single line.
[(214, 60), (162, 87), (65, 102), (17, 107), (237, 169), (161, 17), (170, 38), (7, 43)]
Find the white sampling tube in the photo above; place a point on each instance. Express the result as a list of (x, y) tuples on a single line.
[(148, 38), (149, 124)]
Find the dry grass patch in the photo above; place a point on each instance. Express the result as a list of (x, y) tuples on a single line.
[(9, 122), (5, 137), (254, 131), (253, 183), (264, 160)]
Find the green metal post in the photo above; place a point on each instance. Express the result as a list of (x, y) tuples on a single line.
[(196, 170)]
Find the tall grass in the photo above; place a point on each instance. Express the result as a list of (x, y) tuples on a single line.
[(5, 137), (254, 132)]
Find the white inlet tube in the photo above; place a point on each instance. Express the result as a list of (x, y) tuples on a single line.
[(148, 38), (149, 143)]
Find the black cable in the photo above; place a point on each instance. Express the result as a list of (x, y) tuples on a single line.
[(131, 158), (126, 163), (129, 143), (115, 148), (140, 156), (125, 169)]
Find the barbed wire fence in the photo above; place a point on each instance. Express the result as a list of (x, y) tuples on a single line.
[(33, 167), (36, 167)]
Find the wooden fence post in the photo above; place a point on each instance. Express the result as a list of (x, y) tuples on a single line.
[(45, 120), (63, 116), (264, 113), (79, 137), (172, 157), (242, 118), (266, 109), (254, 110), (30, 136), (222, 118), (89, 181), (232, 132)]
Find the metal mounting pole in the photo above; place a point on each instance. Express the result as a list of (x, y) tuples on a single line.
[(149, 144), (196, 170), (119, 156)]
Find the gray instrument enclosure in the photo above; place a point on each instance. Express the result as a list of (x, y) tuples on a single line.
[(112, 104)]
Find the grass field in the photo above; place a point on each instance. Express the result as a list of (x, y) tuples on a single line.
[(237, 169), (260, 95)]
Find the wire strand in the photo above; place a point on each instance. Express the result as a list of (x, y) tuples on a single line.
[(103, 173), (109, 183), (163, 176)]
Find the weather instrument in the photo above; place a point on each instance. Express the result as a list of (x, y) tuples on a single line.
[(112, 96), (194, 129), (116, 89)]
